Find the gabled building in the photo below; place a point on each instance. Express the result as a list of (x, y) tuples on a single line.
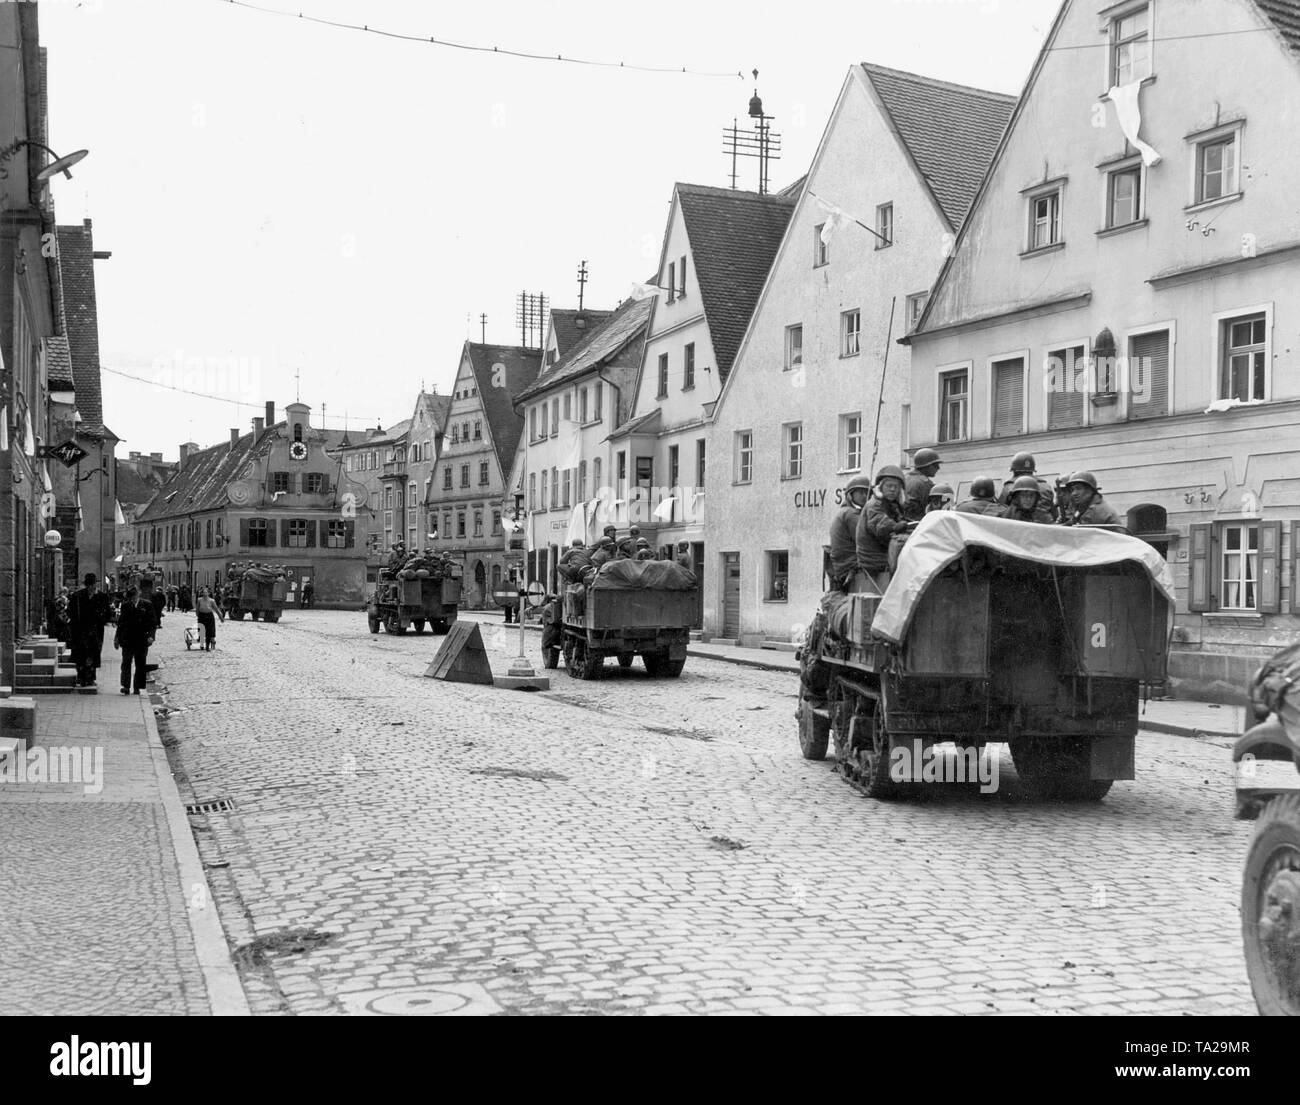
[(570, 414), (1125, 298), (423, 447), (373, 479), (273, 496), (811, 401), (479, 441), (717, 250), (138, 478)]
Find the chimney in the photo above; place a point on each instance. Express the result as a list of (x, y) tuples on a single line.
[(156, 456), (134, 455), (258, 427), (270, 414), (234, 437), (185, 455)]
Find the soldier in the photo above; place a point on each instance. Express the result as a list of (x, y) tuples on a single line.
[(916, 488), (1022, 464), (878, 522), (1026, 502), (643, 550), (604, 552), (940, 498), (684, 558), (1086, 506), (844, 534), (981, 500), (574, 562), (611, 532)]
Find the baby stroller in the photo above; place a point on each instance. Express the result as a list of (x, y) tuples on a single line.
[(193, 636)]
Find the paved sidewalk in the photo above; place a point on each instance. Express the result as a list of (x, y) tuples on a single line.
[(103, 901), (1178, 717)]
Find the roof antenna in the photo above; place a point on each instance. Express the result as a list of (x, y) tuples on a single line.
[(582, 282)]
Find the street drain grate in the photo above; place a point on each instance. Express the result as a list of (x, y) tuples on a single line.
[(211, 805)]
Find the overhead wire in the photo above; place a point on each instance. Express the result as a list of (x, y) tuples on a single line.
[(431, 40)]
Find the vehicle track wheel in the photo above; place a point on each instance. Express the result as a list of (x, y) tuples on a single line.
[(625, 659), (814, 731), (872, 757), (1270, 909), (592, 662), (573, 657), (551, 657), (419, 625)]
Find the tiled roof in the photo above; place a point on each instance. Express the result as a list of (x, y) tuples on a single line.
[(77, 276), (58, 364), (135, 488), (623, 326), (568, 333), (791, 191), (521, 367), (734, 237), (950, 130), (201, 484), (646, 423), (1285, 16)]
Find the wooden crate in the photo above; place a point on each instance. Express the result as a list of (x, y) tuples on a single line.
[(949, 634)]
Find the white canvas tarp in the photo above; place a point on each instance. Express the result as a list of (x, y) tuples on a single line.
[(943, 534)]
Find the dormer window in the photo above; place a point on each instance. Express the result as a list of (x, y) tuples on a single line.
[(297, 431)]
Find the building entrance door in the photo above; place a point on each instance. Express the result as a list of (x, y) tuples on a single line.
[(697, 559), (731, 595)]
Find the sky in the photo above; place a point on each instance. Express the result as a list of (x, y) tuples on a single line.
[(302, 210)]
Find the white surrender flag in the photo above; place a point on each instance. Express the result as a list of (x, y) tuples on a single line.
[(1125, 98)]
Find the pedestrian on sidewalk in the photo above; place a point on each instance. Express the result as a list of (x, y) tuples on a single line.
[(86, 630), (135, 633), (171, 598), (209, 609)]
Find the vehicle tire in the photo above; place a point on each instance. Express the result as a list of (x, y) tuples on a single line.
[(653, 663), (441, 626), (814, 732), (573, 650), (625, 659), (1270, 909), (373, 621), (551, 657), (672, 668), (419, 625), (394, 625)]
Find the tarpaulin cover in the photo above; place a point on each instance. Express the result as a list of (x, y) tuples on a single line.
[(643, 575), (259, 575), (942, 535)]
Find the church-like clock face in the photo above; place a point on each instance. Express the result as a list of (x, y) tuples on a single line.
[(298, 450)]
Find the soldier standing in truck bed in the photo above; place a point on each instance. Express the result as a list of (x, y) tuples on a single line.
[(1022, 464), (916, 488), (981, 500), (879, 521), (844, 534), (1086, 507)]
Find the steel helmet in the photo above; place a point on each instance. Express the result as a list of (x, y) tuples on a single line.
[(924, 458), (576, 543), (1082, 477), (890, 471), (1025, 483), (858, 483), (1022, 462), (982, 488), (940, 489), (642, 543)]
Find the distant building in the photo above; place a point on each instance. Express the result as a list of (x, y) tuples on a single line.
[(138, 478), (478, 448), (274, 496)]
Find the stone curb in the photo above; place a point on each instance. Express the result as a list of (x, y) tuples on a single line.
[(225, 991), (1182, 730)]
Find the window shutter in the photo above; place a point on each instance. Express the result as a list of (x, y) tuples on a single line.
[(1270, 564), (284, 532), (243, 531), (324, 483), (1065, 407), (311, 533), (1153, 351), (350, 538), (1008, 397), (1199, 596)]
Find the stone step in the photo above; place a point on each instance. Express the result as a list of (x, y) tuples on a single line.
[(5, 692), (50, 688), (47, 650), (23, 656)]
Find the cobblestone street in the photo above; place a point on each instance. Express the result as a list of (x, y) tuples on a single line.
[(400, 844)]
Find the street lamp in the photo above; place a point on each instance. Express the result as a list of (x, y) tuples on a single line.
[(521, 675)]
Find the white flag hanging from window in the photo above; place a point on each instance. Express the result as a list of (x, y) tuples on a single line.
[(29, 440), (643, 291), (119, 519), (664, 511), (4, 429), (836, 217), (81, 524), (570, 443), (1125, 98)]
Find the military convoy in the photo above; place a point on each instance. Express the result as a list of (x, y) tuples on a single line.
[(991, 631), (424, 590), (255, 590)]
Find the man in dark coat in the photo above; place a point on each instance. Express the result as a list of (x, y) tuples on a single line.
[(1086, 506), (844, 533), (86, 621), (916, 488), (981, 500), (882, 518), (136, 625)]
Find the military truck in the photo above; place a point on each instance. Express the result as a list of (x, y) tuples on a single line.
[(991, 631), (426, 591), (628, 608), (256, 590)]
